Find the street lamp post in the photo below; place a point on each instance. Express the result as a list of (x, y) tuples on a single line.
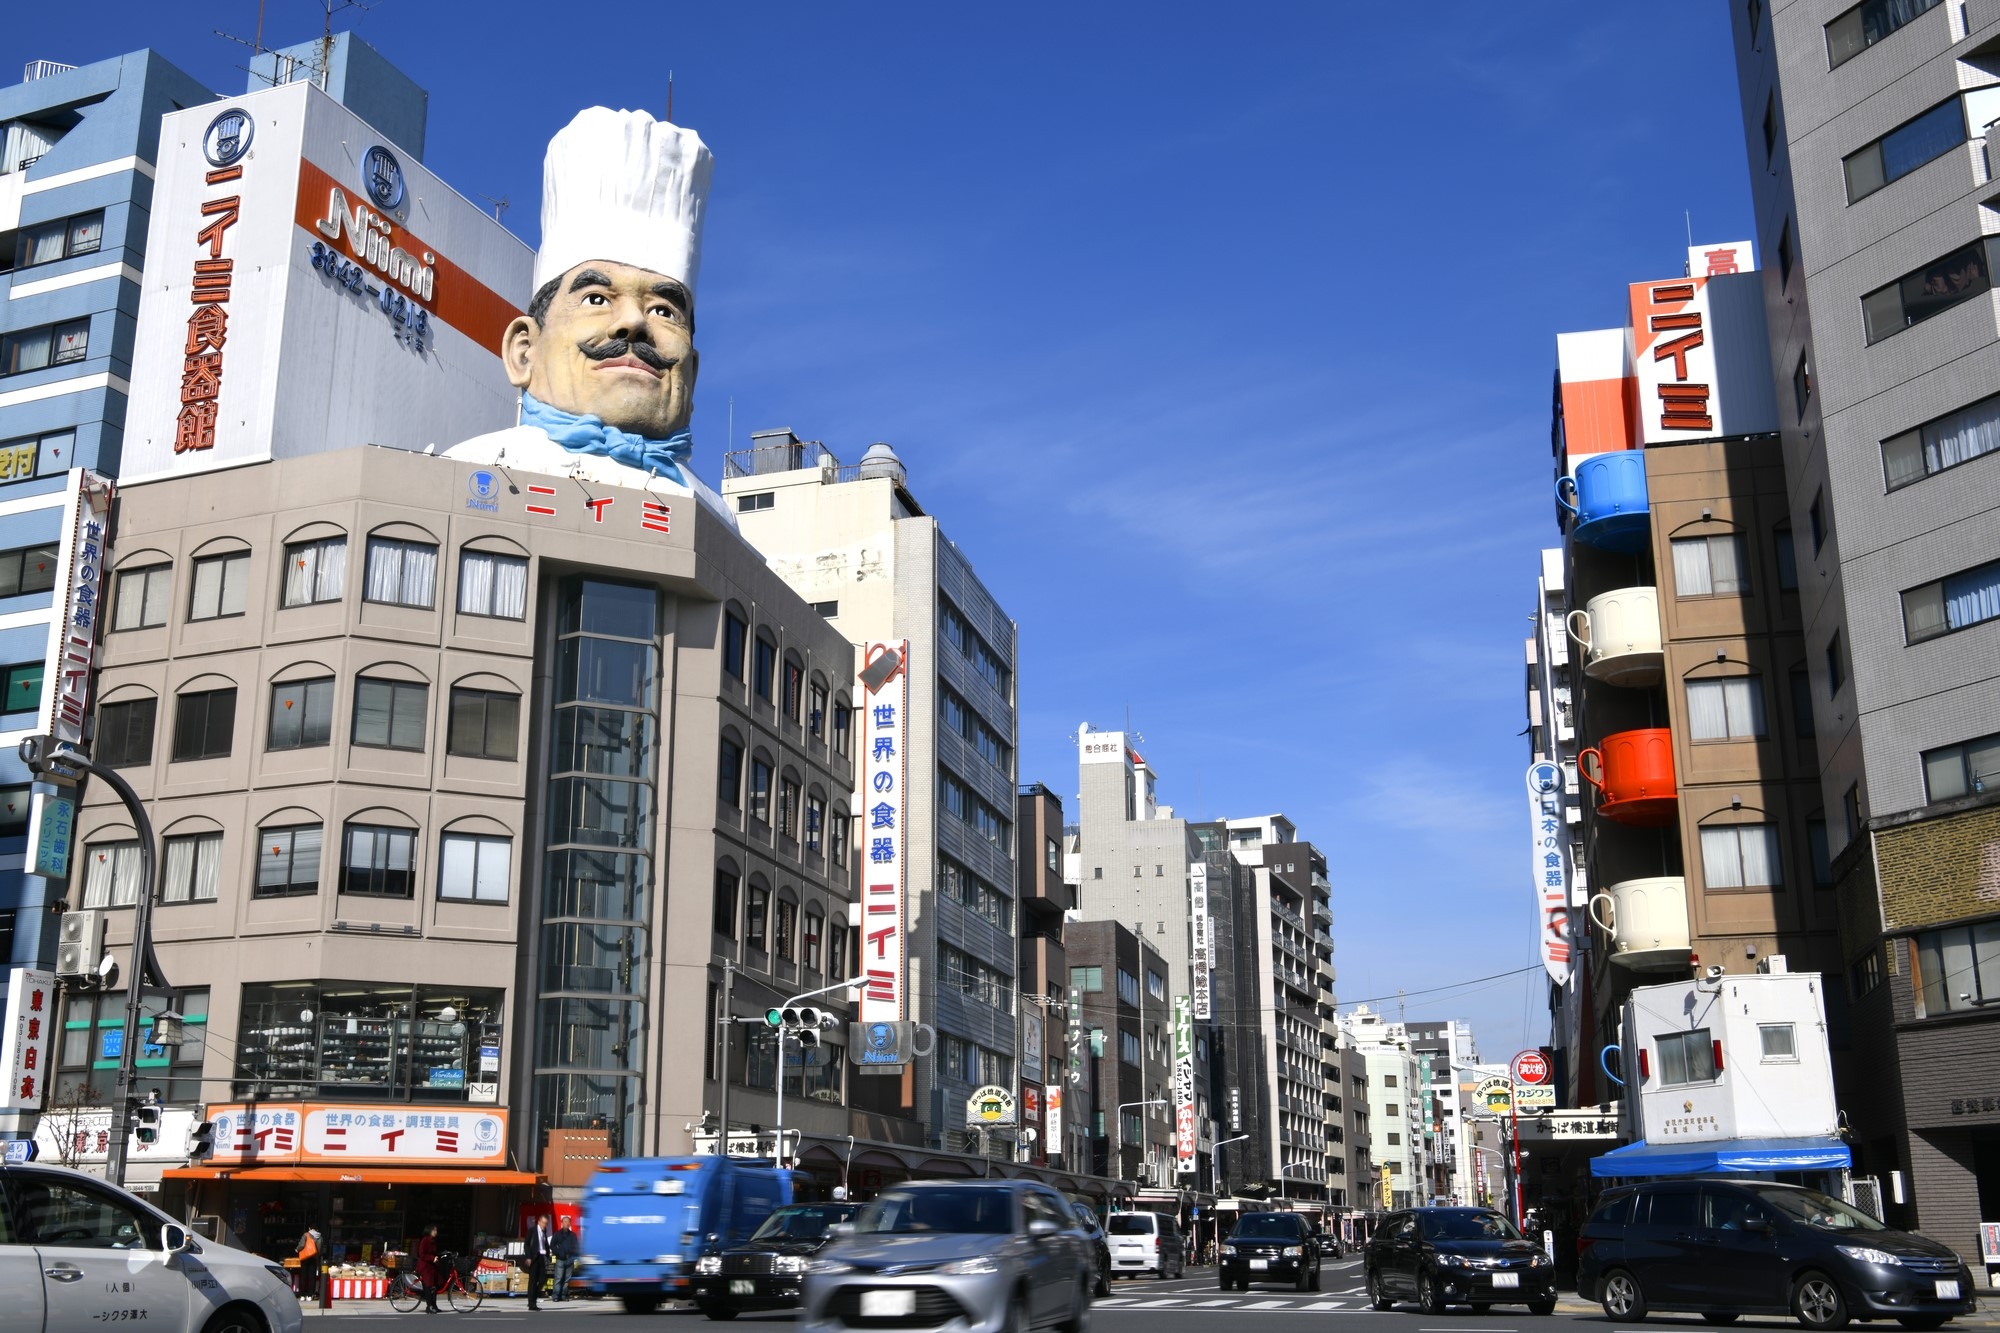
[(850, 984), (1216, 1175), (1123, 1107), (1284, 1181)]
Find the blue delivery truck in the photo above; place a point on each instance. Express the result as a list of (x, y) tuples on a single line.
[(647, 1219)]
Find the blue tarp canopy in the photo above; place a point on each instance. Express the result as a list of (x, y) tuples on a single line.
[(1728, 1157)]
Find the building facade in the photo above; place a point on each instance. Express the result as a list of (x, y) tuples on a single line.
[(1123, 982), (1395, 1089), (1056, 1107)]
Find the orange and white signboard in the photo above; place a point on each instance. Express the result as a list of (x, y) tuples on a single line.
[(1701, 358), (309, 1133)]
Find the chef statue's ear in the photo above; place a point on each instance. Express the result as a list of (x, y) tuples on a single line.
[(517, 350)]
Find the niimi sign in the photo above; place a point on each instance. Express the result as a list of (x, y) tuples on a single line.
[(885, 680)]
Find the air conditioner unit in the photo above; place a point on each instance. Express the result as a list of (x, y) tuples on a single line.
[(79, 944)]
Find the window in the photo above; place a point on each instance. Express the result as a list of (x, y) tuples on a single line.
[(782, 929), (1850, 810), (734, 629), (985, 660), (1836, 665), (729, 774), (960, 800), (760, 790), (1052, 854), (1395, 1139), (1959, 968), (1963, 769), (288, 861), (765, 669), (1788, 558), (1866, 24), (1945, 443), (1785, 256), (753, 917), (204, 725), (958, 716), (1816, 523), (754, 501), (142, 597), (1731, 709), (795, 682), (1711, 567), (727, 885), (219, 585), (315, 571), (1802, 704), (843, 728), (493, 585), (815, 929), (21, 459), (50, 345), (959, 884), (111, 874), (29, 569), (125, 733), (194, 865), (788, 809), (1952, 604), (836, 951), (1779, 1042), (301, 714), (401, 573), (1822, 855), (485, 724), (1686, 1057), (474, 869), (380, 862), (1930, 290), (1802, 385), (1128, 1048), (1090, 979), (828, 610), (21, 687), (1128, 987), (1389, 1081), (838, 837), (962, 972), (1770, 124), (389, 714), (816, 719), (1741, 856), (1904, 149), (1156, 985), (1865, 974), (64, 238), (815, 823)]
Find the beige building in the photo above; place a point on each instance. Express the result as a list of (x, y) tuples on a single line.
[(465, 783)]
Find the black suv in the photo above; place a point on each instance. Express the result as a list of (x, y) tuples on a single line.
[(1270, 1247), (1462, 1256), (763, 1272), (1729, 1247)]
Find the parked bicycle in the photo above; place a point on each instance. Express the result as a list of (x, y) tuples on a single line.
[(406, 1289)]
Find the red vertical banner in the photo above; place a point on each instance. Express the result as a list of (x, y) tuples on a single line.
[(885, 697)]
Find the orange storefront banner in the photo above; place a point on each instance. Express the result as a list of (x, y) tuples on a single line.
[(336, 1134)]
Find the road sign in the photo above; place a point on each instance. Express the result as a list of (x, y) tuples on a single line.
[(1495, 1095), (1532, 1068)]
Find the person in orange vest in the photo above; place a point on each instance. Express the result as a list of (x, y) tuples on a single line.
[(308, 1257)]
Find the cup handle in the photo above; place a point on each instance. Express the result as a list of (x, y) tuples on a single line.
[(1583, 761), (1595, 899), (1571, 623), (1568, 483)]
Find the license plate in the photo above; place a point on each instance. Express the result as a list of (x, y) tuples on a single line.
[(1947, 1291), (1260, 1263), (1506, 1279), (742, 1286), (887, 1304)]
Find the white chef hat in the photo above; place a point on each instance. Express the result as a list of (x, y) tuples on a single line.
[(621, 186)]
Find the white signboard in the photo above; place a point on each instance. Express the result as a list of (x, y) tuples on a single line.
[(1184, 1124), (1100, 747), (991, 1107), (1031, 1043), (1052, 1106), (71, 1137), (80, 563), (885, 697), (24, 1046), (1701, 359), (1201, 950), (1551, 863), (1713, 261)]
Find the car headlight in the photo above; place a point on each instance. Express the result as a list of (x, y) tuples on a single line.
[(978, 1263), (788, 1263), (1868, 1254), (1294, 1251), (1451, 1261), (283, 1275), (1537, 1259), (829, 1266), (1229, 1251), (708, 1265)]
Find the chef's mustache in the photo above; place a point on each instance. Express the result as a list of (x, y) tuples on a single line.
[(638, 348)]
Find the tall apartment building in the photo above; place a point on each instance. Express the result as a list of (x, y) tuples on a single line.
[(1449, 1047), (1288, 926), (1239, 1067), (1872, 156), (1395, 1106), (856, 545)]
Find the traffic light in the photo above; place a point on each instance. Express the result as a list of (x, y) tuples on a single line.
[(144, 1120), (775, 1017), (201, 1139), (803, 1022)]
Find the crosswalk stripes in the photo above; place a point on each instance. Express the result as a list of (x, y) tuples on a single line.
[(1245, 1303)]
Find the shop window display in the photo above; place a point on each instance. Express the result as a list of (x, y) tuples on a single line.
[(362, 1040)]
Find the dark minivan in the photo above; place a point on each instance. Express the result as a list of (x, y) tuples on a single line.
[(1270, 1247), (1724, 1248), (1457, 1256)]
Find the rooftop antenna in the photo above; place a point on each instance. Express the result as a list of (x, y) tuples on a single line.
[(670, 98), (500, 205), (1687, 216), (732, 420), (1399, 1004)]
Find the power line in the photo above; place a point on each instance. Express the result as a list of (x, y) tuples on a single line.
[(1456, 985)]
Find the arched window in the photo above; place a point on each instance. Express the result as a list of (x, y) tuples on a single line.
[(728, 886)]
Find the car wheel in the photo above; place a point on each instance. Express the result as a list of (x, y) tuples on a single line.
[(1719, 1316), (1922, 1320), (1304, 1281), (639, 1304), (1079, 1314), (1817, 1302), (716, 1310), (1543, 1308), (235, 1319), (1103, 1287), (1622, 1298), (1017, 1315), (1430, 1296), (1315, 1285), (1378, 1297), (1481, 1307)]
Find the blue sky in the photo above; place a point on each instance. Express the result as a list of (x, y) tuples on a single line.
[(1220, 338)]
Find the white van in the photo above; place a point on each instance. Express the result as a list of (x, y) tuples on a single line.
[(1143, 1242), (77, 1253)]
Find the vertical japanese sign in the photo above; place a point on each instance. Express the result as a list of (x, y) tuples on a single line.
[(24, 1045), (225, 144), (1546, 836), (885, 681), (1201, 951), (80, 579), (1052, 1120), (1184, 1126)]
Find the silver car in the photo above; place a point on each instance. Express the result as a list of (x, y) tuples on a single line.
[(985, 1256)]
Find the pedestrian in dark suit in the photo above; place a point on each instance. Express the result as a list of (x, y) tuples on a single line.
[(540, 1250)]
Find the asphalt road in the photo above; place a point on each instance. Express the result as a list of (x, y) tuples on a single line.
[(1135, 1305)]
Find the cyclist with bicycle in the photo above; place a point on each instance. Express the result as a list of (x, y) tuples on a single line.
[(427, 1266)]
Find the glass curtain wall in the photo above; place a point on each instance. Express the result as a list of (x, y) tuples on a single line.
[(603, 752)]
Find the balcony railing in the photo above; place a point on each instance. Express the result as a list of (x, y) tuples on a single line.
[(42, 69)]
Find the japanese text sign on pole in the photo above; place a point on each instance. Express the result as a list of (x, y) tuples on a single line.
[(1199, 955), (24, 1044), (885, 680), (1551, 868), (1184, 1126), (80, 563)]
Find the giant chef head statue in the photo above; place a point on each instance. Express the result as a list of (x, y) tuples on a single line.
[(605, 355)]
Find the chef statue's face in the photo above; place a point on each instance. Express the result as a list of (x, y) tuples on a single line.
[(610, 341)]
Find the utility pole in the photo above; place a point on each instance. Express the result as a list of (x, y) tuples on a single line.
[(728, 1025)]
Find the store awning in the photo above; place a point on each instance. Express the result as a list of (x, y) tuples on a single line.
[(1728, 1157), (365, 1175)]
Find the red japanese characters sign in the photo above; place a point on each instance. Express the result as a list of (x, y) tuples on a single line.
[(24, 1045), (885, 696), (208, 326), (310, 1132)]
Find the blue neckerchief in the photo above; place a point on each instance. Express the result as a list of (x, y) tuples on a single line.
[(589, 435)]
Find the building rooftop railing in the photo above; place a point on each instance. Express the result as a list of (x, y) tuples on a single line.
[(42, 69), (766, 459)]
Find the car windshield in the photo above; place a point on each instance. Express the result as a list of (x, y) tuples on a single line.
[(1468, 1226), (973, 1211), (1817, 1210), (1130, 1224), (800, 1223), (1267, 1226), (1083, 1215)]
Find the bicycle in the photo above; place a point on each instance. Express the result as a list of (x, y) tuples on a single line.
[(406, 1289)]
